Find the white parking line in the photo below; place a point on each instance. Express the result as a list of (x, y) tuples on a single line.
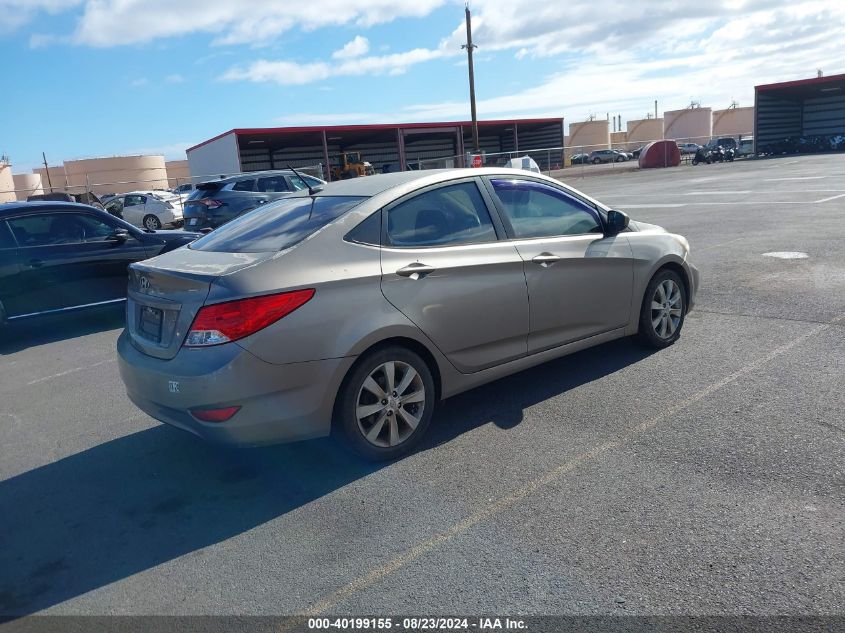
[(654, 206), (707, 248), (506, 502), (841, 195), (793, 178), (715, 193), (70, 371)]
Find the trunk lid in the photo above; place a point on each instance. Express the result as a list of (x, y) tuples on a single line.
[(166, 292)]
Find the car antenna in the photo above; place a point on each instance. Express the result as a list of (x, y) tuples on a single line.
[(311, 190)]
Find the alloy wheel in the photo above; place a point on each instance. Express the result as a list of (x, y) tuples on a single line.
[(390, 404), (667, 308)]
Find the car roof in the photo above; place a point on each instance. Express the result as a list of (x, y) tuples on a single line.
[(257, 174), (10, 208), (369, 186)]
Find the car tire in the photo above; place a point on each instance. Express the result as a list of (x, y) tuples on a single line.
[(596, 161), (619, 159), (151, 222), (663, 310), (369, 419)]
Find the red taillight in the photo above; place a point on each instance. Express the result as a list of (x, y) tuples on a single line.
[(215, 415), (212, 204), (224, 322)]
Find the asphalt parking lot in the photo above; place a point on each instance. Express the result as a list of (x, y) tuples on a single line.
[(703, 479)]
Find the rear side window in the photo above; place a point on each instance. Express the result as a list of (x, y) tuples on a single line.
[(6, 239), (244, 185), (446, 216), (276, 226)]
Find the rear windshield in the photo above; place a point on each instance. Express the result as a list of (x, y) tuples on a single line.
[(276, 226), (204, 189)]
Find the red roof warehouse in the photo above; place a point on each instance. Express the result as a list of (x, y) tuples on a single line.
[(389, 147), (792, 109)]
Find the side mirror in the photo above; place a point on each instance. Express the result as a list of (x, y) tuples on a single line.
[(118, 236), (617, 221)]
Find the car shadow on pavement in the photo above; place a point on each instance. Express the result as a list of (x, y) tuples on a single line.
[(503, 401), (20, 335), (141, 500)]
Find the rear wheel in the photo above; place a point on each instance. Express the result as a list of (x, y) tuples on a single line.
[(152, 222), (663, 310), (596, 161), (385, 404)]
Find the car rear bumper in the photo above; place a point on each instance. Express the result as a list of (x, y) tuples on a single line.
[(279, 403)]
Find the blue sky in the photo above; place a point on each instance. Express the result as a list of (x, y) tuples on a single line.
[(108, 77)]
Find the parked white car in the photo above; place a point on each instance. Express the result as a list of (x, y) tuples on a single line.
[(147, 209)]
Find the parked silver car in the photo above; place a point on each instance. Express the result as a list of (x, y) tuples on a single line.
[(608, 156), (356, 308)]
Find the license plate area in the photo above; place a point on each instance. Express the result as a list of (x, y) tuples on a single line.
[(149, 323)]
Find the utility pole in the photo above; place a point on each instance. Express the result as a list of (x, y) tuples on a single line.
[(469, 46), (47, 170)]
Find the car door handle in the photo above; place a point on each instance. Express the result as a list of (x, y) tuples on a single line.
[(546, 259), (415, 270), (35, 263)]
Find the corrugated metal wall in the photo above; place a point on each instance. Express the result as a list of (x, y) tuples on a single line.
[(776, 118), (824, 116)]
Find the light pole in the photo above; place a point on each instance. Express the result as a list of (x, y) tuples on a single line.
[(469, 46)]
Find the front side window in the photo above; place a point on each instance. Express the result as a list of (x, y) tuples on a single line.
[(272, 184), (538, 210), (132, 201), (446, 216), (45, 229), (297, 182)]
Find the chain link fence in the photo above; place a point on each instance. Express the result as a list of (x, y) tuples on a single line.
[(582, 159)]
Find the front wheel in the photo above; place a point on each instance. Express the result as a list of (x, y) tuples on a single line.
[(663, 310), (695, 161), (596, 161), (385, 404), (152, 223)]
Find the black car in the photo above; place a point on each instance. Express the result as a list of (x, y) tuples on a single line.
[(59, 256), (218, 201)]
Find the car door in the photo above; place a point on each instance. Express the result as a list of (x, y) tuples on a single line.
[(579, 281), (444, 267), (70, 259), (134, 209)]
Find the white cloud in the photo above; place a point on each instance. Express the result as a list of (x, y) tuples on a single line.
[(175, 78), (287, 73), (140, 82), (16, 13), (102, 22), (170, 151), (354, 48)]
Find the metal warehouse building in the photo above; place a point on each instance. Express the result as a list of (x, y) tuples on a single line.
[(808, 107), (388, 147)]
